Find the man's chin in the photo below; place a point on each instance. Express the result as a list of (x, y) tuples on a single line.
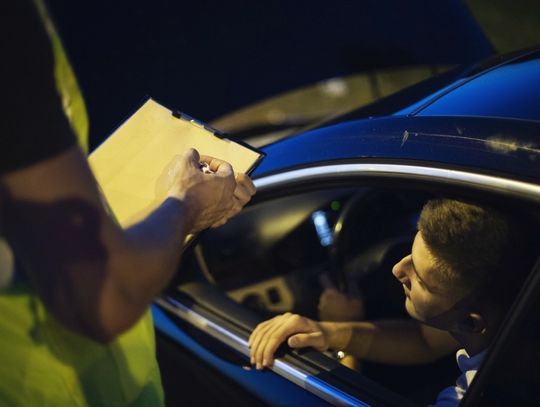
[(409, 307)]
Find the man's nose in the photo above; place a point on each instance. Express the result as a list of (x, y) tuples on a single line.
[(399, 269)]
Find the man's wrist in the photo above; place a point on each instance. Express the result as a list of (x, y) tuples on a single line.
[(185, 214), (338, 334)]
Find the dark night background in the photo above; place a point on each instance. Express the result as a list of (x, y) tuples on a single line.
[(208, 58)]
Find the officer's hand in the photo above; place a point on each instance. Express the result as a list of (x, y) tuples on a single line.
[(208, 197), (242, 195)]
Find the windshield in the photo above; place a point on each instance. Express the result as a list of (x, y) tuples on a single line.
[(511, 91)]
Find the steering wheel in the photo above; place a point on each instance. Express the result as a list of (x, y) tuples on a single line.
[(358, 228), (340, 238)]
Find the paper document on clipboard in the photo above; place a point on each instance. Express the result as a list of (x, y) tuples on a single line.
[(128, 163)]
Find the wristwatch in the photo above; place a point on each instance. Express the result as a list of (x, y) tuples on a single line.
[(336, 354)]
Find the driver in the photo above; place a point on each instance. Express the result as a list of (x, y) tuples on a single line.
[(466, 265)]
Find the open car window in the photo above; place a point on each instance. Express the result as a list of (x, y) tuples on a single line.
[(274, 256)]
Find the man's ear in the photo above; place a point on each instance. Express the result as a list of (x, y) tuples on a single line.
[(473, 323)]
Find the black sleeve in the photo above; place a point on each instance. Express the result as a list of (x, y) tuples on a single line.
[(33, 125)]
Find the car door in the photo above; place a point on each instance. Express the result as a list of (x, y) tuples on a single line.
[(199, 316)]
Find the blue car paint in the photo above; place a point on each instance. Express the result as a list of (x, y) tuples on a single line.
[(465, 142)]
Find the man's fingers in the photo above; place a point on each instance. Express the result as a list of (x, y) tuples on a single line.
[(267, 337), (192, 157), (219, 224), (256, 331), (258, 340), (242, 194), (275, 336), (270, 348), (225, 170), (217, 165), (212, 162), (257, 336), (314, 340), (246, 183)]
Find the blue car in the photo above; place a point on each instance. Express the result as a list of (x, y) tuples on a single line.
[(341, 200)]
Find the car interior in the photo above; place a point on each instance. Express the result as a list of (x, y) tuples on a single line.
[(273, 257)]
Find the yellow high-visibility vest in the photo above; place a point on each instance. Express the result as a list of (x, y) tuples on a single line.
[(41, 362)]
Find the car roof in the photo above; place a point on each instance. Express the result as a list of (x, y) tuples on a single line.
[(504, 147), (486, 119)]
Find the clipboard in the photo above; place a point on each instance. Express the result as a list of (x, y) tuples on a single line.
[(129, 163)]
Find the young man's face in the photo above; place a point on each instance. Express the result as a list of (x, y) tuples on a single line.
[(426, 297)]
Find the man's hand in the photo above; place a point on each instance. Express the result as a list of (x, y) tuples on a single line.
[(337, 306), (210, 198), (242, 195), (298, 331)]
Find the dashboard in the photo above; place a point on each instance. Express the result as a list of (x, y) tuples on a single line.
[(294, 234)]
